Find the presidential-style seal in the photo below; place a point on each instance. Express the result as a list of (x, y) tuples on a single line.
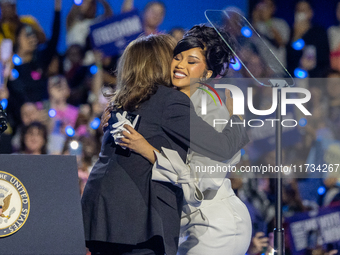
[(14, 204)]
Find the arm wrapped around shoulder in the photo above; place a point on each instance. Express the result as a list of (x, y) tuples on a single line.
[(218, 146), (181, 122), (236, 129)]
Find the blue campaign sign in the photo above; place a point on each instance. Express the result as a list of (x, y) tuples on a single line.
[(310, 230), (112, 35)]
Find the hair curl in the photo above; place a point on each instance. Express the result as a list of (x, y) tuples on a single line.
[(217, 53)]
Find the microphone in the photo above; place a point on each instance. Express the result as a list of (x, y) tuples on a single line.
[(3, 120)]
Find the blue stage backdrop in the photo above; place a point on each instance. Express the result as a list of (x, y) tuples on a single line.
[(184, 13)]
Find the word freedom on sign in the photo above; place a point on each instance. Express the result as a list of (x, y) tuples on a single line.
[(114, 31)]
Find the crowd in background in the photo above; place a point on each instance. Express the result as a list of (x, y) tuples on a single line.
[(54, 100)]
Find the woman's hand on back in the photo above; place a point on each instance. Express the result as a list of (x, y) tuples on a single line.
[(104, 121), (137, 143)]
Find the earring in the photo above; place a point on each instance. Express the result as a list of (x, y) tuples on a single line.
[(203, 79)]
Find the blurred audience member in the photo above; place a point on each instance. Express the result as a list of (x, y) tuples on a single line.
[(334, 41), (274, 31), (28, 82), (177, 33), (56, 66), (86, 123), (153, 15), (83, 122), (77, 74), (317, 105), (314, 56), (29, 113), (81, 17), (34, 139), (73, 60), (59, 91), (62, 115), (90, 150), (332, 195), (291, 199), (109, 66), (10, 21), (333, 99), (105, 75)]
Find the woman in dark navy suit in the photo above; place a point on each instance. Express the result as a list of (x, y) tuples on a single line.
[(124, 211)]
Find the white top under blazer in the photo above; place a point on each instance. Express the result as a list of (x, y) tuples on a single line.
[(214, 220)]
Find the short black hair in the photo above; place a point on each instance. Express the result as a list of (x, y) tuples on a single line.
[(217, 53)]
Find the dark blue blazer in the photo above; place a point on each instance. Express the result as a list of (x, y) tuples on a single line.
[(121, 204)]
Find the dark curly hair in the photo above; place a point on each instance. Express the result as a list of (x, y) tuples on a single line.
[(217, 53)]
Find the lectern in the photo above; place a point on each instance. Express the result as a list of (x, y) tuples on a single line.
[(40, 210)]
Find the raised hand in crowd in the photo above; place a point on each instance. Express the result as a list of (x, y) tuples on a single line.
[(258, 244), (57, 5), (107, 8), (4, 93), (332, 252)]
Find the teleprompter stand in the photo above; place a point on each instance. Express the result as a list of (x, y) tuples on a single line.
[(278, 231), (242, 39)]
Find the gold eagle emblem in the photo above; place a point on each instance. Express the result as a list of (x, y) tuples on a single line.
[(6, 202)]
